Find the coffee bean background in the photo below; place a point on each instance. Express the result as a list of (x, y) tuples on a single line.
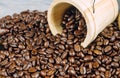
[(29, 50)]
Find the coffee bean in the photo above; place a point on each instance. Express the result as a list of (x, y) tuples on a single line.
[(114, 64), (88, 58), (71, 59), (3, 31), (102, 69), (2, 55), (107, 74), (32, 69), (43, 73), (112, 39), (4, 62), (3, 73), (72, 52), (20, 73), (106, 42), (71, 71), (46, 44), (97, 52), (50, 72), (49, 50), (77, 47), (35, 75), (66, 67), (64, 62), (83, 70), (64, 55), (51, 60), (81, 55), (61, 47), (108, 48), (116, 58), (77, 33), (95, 64), (99, 43), (58, 60), (69, 42)]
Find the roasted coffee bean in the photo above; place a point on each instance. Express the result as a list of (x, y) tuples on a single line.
[(71, 71), (81, 55), (58, 60), (20, 73), (71, 59), (108, 48), (35, 75), (51, 60), (114, 64), (95, 64), (51, 72), (61, 47), (83, 70), (102, 69), (43, 73), (3, 31), (77, 47), (106, 42), (107, 74), (3, 73), (4, 62), (97, 52), (72, 52), (64, 55), (32, 69), (46, 44), (66, 67), (69, 42), (88, 58), (77, 32)]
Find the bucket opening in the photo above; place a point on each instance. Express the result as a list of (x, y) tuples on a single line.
[(58, 14)]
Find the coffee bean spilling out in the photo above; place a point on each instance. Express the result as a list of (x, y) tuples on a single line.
[(29, 50)]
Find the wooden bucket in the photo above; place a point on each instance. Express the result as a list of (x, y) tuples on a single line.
[(105, 13)]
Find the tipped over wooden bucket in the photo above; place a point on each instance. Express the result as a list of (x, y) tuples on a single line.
[(105, 13)]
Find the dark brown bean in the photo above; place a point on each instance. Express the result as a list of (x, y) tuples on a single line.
[(83, 70), (72, 52), (71, 59), (108, 48), (58, 60), (71, 71), (102, 69), (3, 31), (64, 55), (95, 64), (46, 44), (43, 73), (35, 75), (88, 58), (32, 69), (77, 47), (50, 72), (97, 52), (107, 74)]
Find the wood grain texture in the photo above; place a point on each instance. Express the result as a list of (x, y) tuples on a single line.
[(119, 21)]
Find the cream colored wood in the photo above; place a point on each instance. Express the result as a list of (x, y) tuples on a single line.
[(119, 21), (105, 13)]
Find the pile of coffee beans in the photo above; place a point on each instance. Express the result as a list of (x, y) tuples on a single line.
[(29, 50)]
